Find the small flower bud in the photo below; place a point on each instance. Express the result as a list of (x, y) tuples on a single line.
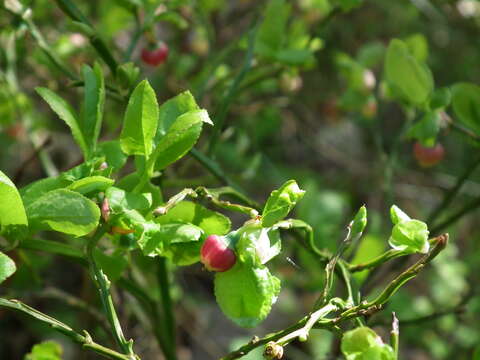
[(216, 255), (273, 350), (105, 210)]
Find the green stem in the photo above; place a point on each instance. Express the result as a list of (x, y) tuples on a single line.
[(84, 340), (76, 303), (391, 165), (213, 167), (55, 60), (464, 131), (449, 196), (211, 195), (472, 205), (383, 258), (407, 275), (214, 195), (174, 201), (168, 310), (203, 79), (70, 9), (255, 342), (312, 319), (365, 308), (231, 93), (387, 255), (103, 285), (136, 36), (25, 16), (330, 269), (53, 247), (148, 306)]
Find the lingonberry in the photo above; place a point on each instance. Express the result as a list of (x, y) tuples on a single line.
[(428, 156)]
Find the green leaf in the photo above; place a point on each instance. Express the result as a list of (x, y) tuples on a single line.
[(359, 223), (256, 245), (180, 137), (113, 154), (171, 109), (7, 267), (47, 350), (347, 5), (211, 222), (87, 168), (358, 340), (178, 241), (418, 46), (120, 200), (371, 54), (64, 211), (67, 114), (91, 184), (34, 190), (271, 35), (426, 130), (397, 215), (411, 236), (410, 79), (295, 57), (281, 202), (93, 105), (129, 182), (173, 18), (140, 122), (12, 211), (466, 104), (246, 294), (363, 343), (440, 99)]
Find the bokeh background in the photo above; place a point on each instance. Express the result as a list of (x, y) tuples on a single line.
[(319, 115)]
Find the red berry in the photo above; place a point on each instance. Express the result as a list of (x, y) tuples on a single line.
[(428, 156), (216, 255), (15, 131), (157, 56)]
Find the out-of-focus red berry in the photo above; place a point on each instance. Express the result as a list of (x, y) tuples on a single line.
[(156, 56), (428, 156)]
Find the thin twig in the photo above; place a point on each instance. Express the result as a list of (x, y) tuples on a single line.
[(450, 195), (84, 340), (103, 285), (21, 169), (168, 310), (365, 308), (232, 92), (215, 169), (472, 205)]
